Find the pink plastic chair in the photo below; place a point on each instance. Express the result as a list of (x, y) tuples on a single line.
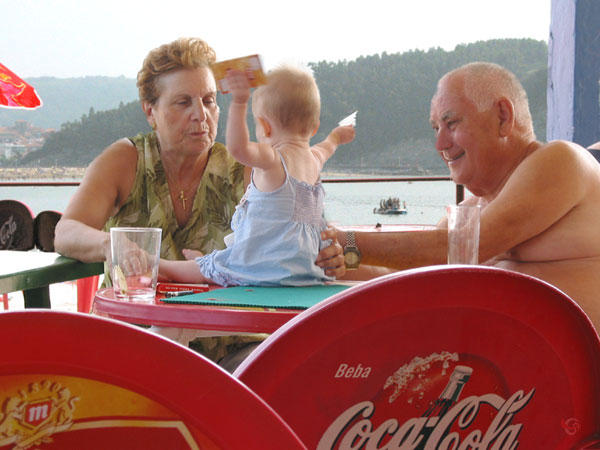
[(438, 356), (76, 381), (86, 290)]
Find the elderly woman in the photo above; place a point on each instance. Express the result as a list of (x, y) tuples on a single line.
[(176, 177)]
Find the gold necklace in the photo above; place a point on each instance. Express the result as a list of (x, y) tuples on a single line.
[(182, 192)]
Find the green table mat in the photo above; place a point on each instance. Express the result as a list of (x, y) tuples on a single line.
[(266, 297)]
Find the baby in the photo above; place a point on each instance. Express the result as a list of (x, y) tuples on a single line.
[(277, 224)]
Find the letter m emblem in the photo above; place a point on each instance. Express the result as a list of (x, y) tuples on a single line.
[(38, 412)]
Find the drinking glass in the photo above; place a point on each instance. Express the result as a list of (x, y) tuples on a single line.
[(463, 234), (135, 253)]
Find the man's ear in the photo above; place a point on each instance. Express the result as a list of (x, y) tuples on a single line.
[(506, 116), (266, 126)]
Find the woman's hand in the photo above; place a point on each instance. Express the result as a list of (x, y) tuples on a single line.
[(132, 261), (331, 258)]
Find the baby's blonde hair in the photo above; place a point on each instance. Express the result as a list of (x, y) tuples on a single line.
[(290, 99)]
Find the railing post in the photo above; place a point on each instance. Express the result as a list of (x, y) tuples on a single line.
[(460, 193)]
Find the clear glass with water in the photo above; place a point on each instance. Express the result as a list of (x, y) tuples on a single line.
[(135, 254)]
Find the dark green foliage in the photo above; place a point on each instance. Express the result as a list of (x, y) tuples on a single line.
[(78, 143), (392, 94)]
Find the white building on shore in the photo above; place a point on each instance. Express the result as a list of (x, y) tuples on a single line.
[(21, 139)]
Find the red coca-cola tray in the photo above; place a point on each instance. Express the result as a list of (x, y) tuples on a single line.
[(442, 357), (75, 381)]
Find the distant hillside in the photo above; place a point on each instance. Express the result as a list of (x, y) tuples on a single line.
[(77, 143), (392, 94), (67, 99)]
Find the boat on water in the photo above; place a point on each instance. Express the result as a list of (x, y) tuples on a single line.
[(391, 205)]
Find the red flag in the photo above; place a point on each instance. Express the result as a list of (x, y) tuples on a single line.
[(16, 93)]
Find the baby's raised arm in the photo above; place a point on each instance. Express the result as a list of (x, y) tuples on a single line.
[(237, 135), (326, 148)]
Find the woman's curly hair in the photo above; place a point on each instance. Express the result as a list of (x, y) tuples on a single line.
[(183, 53)]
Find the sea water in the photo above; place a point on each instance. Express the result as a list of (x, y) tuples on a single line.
[(354, 203), (345, 203), (40, 198)]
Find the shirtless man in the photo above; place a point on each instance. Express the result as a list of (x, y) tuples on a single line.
[(540, 202)]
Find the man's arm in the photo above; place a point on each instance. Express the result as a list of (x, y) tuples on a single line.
[(104, 188), (401, 250), (543, 189)]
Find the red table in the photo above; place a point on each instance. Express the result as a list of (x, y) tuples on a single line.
[(171, 320), (214, 320)]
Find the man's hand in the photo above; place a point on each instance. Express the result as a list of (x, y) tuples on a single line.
[(331, 258)]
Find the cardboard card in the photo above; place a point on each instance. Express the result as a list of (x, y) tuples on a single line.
[(163, 288), (250, 64)]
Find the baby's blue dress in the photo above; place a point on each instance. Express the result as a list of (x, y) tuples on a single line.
[(276, 238)]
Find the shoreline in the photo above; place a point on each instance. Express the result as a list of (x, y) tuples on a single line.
[(41, 173), (76, 173)]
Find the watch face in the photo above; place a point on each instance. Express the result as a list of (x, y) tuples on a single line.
[(352, 259)]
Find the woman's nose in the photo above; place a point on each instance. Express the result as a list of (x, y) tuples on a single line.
[(200, 111)]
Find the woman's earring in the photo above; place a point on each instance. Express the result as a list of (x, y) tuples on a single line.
[(153, 126)]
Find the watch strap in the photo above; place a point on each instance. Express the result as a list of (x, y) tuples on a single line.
[(350, 239)]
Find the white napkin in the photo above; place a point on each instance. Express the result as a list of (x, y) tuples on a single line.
[(348, 121)]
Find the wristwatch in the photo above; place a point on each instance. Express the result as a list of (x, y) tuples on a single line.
[(351, 253)]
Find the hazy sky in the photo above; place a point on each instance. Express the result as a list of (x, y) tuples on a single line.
[(73, 38)]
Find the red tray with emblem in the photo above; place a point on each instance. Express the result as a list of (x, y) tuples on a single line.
[(440, 357), (75, 381)]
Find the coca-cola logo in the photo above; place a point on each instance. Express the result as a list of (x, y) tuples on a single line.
[(430, 403), (354, 429)]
